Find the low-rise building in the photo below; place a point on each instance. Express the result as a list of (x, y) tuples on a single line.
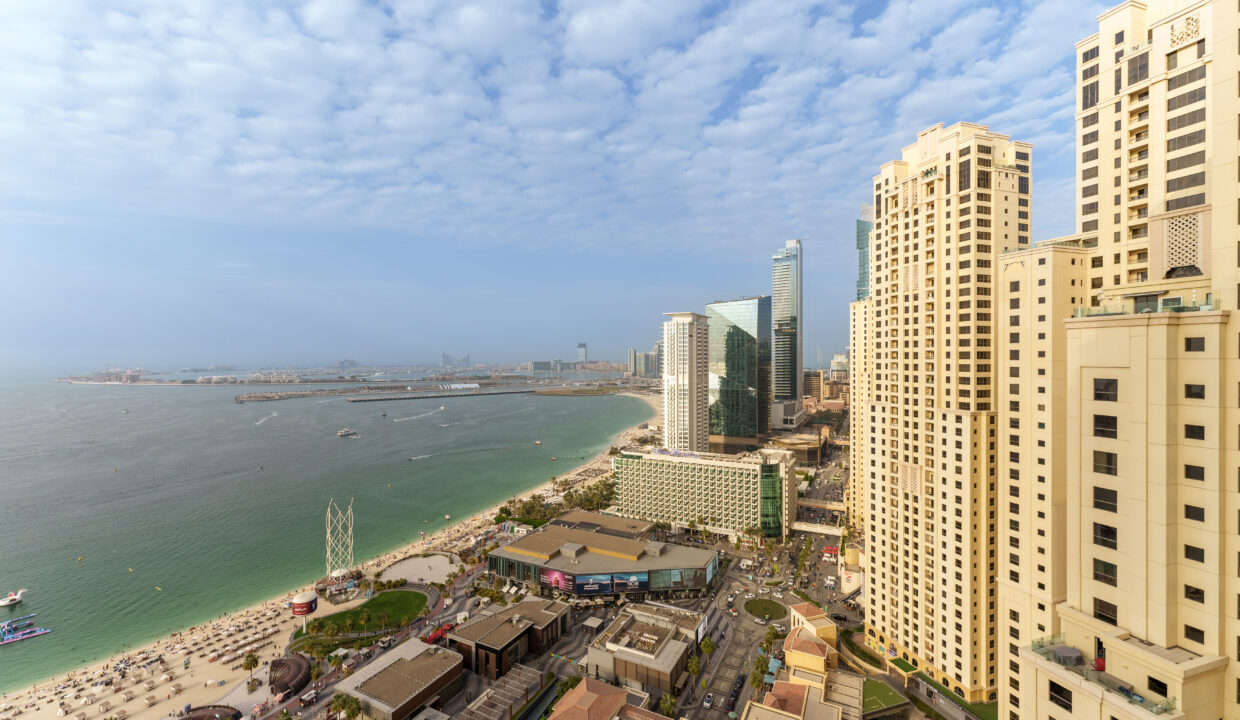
[(558, 561), (812, 639), (406, 679), (493, 644), (646, 646), (805, 695), (596, 700), (740, 496)]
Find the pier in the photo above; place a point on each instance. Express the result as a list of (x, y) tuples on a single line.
[(463, 393)]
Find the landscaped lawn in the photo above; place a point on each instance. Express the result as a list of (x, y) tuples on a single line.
[(763, 608), (398, 604), (877, 695)]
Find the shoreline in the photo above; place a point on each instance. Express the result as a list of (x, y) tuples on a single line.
[(445, 540)]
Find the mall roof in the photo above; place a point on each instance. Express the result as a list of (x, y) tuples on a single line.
[(580, 552), (497, 630)]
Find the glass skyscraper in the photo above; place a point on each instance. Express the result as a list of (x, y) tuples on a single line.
[(865, 225), (787, 321), (739, 363)]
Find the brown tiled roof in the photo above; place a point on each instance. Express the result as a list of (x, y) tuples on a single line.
[(807, 610), (590, 700), (802, 641), (786, 696)]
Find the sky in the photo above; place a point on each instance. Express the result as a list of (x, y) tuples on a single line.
[(189, 182)]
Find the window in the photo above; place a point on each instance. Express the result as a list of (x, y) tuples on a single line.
[(1195, 392), (1139, 68), (1186, 161), (1195, 432), (1090, 54), (1186, 201), (1119, 38), (1171, 60), (1157, 686), (1106, 389), (1106, 612), (1194, 593), (1194, 634), (1194, 344), (1194, 553), (1104, 572), (1089, 95), (1106, 499), (1194, 472), (1106, 463), (1185, 141), (1179, 101), (1193, 512), (1106, 426), (1060, 695), (1106, 536), (1186, 182), (1175, 82)]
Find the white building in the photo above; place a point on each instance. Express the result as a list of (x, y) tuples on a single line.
[(685, 382), (787, 323)]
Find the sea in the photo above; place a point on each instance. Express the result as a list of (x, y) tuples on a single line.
[(133, 512)]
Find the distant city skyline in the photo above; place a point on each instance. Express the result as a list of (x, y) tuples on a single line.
[(383, 185)]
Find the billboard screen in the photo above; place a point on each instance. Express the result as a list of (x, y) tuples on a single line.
[(555, 579), (631, 582), (593, 584)]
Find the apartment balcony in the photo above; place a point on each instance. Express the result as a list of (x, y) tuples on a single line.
[(1138, 157), (1138, 119), (1136, 177), (1141, 196), (1139, 257), (1139, 213), (1121, 308), (1069, 659)]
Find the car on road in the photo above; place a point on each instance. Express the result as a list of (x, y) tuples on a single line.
[(750, 595), (778, 594), (779, 627), (839, 617), (710, 698), (763, 591), (759, 620), (733, 611)]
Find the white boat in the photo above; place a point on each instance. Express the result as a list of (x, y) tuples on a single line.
[(12, 598), (447, 517)]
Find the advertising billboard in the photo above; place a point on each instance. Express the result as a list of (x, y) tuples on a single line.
[(555, 579), (631, 582), (593, 584)]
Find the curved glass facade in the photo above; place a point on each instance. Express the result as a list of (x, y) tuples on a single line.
[(740, 367)]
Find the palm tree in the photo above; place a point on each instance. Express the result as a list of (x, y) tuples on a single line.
[(336, 661), (338, 703), (404, 621), (667, 704), (249, 663), (348, 625), (383, 618), (707, 647), (365, 617), (694, 666), (284, 714), (316, 672)]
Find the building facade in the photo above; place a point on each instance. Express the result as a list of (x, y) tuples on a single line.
[(686, 348), (742, 496), (787, 321), (1145, 622), (865, 225), (956, 200), (860, 418), (583, 355), (739, 372)]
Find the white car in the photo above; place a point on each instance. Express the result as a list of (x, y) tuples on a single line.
[(778, 594), (763, 591), (710, 698), (750, 595)]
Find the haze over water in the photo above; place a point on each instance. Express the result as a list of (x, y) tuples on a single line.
[(173, 489)]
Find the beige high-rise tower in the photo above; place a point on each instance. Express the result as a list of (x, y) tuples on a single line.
[(926, 417), (686, 382), (1120, 574)]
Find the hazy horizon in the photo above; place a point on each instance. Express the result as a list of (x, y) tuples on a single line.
[(294, 183)]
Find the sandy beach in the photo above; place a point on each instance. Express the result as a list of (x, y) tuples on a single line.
[(161, 689)]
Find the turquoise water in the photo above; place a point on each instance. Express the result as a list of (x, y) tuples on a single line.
[(173, 489)]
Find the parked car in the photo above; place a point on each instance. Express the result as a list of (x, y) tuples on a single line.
[(750, 595), (777, 594), (839, 617), (710, 698)]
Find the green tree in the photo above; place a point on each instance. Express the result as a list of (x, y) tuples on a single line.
[(316, 672), (404, 621), (285, 715), (667, 704), (566, 684), (365, 618), (755, 677), (347, 625), (249, 663), (694, 666), (707, 646), (383, 618), (336, 661)]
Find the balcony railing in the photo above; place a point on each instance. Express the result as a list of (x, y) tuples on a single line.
[(1119, 309), (1046, 648)]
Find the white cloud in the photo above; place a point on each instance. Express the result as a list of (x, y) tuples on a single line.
[(591, 123)]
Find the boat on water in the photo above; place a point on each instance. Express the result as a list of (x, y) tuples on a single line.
[(447, 517), (15, 622), (441, 407), (385, 414), (538, 442), (346, 432), (12, 598), (24, 634)]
